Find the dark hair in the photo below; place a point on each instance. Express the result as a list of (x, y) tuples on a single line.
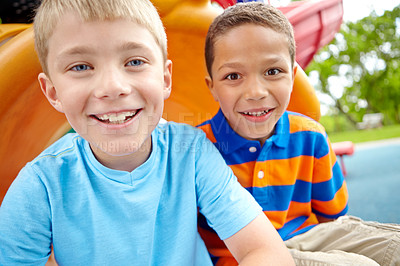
[(248, 13)]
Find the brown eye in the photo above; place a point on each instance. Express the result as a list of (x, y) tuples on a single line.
[(233, 76), (272, 72)]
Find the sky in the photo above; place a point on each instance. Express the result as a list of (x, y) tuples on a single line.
[(356, 9)]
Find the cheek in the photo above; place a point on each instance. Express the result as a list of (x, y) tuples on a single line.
[(227, 97), (283, 95), (74, 104), (70, 90), (227, 103), (153, 94)]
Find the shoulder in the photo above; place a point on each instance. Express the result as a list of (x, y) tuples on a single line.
[(207, 129), (308, 135), (64, 149), (64, 145), (178, 132), (302, 123), (187, 140), (55, 161)]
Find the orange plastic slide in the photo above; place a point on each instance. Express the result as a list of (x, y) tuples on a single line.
[(28, 123)]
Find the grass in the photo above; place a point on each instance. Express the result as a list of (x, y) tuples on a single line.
[(357, 136)]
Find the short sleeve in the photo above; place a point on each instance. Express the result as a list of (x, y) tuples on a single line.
[(25, 221), (226, 205)]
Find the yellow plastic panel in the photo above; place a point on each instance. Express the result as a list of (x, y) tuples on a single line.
[(27, 121)]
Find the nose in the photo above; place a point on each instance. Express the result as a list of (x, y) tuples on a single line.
[(256, 89), (111, 85)]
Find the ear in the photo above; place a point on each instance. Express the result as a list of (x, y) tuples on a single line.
[(167, 79), (295, 69), (210, 85), (294, 73), (50, 91)]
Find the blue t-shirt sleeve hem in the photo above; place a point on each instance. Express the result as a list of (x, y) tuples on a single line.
[(250, 214)]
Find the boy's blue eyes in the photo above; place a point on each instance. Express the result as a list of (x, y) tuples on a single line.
[(80, 68), (135, 62)]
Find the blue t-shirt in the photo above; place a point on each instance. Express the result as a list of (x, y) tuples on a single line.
[(94, 215)]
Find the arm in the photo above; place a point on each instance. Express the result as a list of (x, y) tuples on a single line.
[(259, 243), (25, 222), (234, 214)]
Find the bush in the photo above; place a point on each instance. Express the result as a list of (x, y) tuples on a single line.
[(336, 123)]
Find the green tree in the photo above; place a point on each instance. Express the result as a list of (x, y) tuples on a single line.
[(366, 55)]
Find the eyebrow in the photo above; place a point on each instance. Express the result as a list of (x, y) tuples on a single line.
[(76, 51), (230, 65), (133, 46), (271, 60), (79, 50)]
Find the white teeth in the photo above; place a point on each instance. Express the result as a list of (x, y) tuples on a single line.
[(256, 113), (116, 118)]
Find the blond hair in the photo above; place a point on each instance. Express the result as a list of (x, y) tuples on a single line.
[(248, 13), (139, 11)]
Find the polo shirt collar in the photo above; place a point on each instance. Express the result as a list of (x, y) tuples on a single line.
[(282, 131), (226, 136)]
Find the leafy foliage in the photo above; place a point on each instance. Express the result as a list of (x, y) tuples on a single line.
[(365, 55)]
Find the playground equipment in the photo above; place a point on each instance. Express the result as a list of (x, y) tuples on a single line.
[(341, 149), (28, 123)]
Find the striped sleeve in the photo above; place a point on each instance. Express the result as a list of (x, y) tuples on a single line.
[(329, 196), (329, 191)]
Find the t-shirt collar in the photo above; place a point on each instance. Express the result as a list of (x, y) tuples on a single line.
[(124, 176)]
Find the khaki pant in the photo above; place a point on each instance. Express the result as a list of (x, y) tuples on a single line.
[(347, 241)]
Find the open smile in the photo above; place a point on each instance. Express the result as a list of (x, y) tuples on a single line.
[(257, 114), (116, 118)]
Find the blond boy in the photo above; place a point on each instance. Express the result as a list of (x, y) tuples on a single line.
[(123, 190)]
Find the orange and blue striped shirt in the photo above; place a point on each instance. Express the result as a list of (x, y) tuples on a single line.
[(294, 176)]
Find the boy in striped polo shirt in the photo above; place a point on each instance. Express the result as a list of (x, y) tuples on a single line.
[(284, 159), (124, 189)]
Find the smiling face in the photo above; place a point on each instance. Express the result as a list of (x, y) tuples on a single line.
[(252, 79), (110, 80)]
